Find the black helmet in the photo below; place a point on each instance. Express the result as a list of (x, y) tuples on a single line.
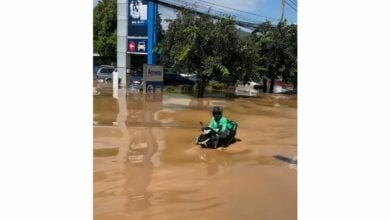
[(217, 112)]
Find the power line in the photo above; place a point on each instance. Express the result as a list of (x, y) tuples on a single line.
[(238, 10), (187, 4), (222, 12), (291, 6), (245, 24), (292, 2), (205, 7), (212, 6), (295, 2), (197, 5)]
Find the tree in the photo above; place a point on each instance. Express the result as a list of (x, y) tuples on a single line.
[(160, 30), (104, 29), (159, 37), (211, 49), (277, 51)]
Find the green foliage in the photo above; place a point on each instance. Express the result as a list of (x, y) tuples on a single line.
[(104, 29), (277, 51), (159, 38), (183, 54), (159, 29), (211, 49), (217, 85)]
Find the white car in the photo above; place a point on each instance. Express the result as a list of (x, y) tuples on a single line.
[(191, 76), (248, 89), (105, 72)]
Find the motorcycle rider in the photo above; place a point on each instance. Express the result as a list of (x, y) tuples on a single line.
[(220, 124)]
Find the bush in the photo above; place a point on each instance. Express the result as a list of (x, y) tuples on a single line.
[(215, 85)]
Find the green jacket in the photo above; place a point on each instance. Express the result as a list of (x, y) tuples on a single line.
[(222, 124)]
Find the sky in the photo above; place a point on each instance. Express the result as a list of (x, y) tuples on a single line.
[(254, 11)]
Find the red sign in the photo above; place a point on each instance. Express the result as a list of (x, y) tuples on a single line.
[(131, 46)]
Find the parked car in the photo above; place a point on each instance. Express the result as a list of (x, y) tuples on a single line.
[(282, 87), (136, 80), (249, 89), (191, 76), (95, 70), (105, 72), (176, 79)]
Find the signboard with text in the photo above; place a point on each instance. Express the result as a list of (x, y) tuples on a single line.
[(137, 27), (153, 78)]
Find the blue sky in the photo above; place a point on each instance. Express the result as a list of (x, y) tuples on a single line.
[(267, 8), (262, 8)]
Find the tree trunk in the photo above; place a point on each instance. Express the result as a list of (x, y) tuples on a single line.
[(264, 85), (201, 88), (271, 89)]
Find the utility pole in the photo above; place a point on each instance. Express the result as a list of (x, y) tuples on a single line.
[(282, 16)]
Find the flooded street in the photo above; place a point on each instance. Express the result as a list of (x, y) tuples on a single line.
[(147, 166)]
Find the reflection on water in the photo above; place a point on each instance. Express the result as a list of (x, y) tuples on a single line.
[(142, 146), (147, 166), (105, 109), (137, 178), (216, 159)]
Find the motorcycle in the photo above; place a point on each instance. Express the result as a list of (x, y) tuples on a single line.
[(209, 138)]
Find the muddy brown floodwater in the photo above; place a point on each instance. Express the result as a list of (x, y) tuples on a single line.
[(147, 166)]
